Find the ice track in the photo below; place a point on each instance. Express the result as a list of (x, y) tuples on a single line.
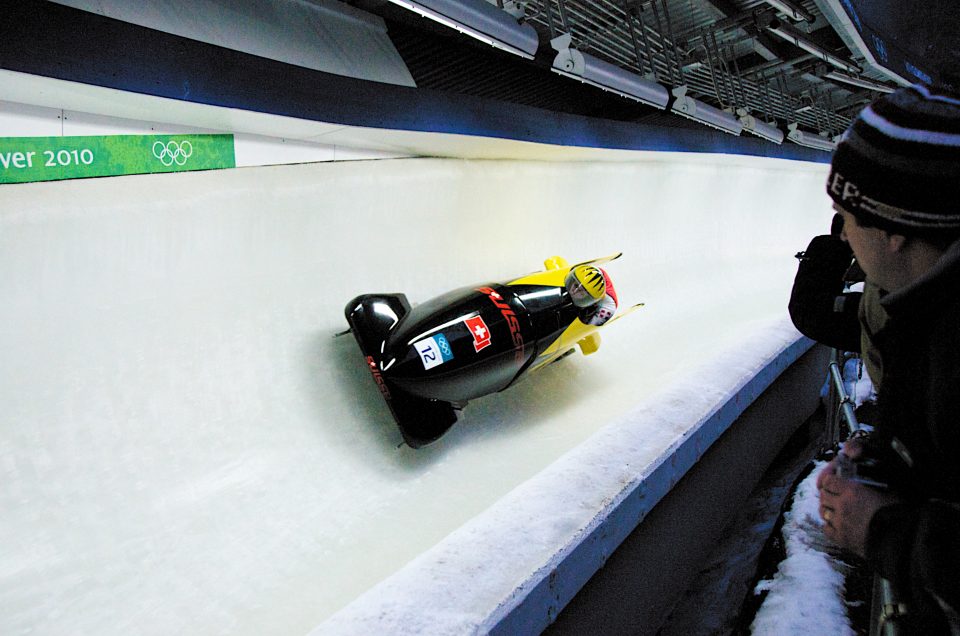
[(186, 448)]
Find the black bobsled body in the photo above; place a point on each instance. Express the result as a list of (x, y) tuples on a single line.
[(429, 360)]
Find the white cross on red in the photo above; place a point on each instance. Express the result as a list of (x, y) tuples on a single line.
[(480, 332)]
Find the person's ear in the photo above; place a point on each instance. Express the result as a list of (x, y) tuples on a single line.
[(894, 242)]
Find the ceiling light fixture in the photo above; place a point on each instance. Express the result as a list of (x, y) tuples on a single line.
[(809, 140), (704, 113), (610, 77), (481, 20), (760, 128)]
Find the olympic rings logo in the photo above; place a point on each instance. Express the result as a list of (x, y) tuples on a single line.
[(444, 345), (172, 152)]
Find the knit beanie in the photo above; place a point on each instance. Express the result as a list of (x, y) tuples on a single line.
[(898, 165)]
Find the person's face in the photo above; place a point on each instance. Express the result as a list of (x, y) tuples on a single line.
[(866, 243), (578, 294)]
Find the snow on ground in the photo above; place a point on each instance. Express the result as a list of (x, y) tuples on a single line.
[(805, 596)]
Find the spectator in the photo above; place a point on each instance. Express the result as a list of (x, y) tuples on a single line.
[(895, 179)]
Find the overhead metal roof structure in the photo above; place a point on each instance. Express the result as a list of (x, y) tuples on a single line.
[(781, 62)]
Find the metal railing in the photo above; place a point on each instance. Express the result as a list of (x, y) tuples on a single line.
[(885, 607), (843, 411)]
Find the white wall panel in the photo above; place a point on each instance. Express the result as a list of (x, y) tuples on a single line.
[(323, 35)]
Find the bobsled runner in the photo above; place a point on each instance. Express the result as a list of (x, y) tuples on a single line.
[(428, 361)]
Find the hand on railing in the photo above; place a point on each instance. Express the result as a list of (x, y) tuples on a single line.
[(849, 497)]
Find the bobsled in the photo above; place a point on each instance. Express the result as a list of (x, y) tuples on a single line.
[(428, 361)]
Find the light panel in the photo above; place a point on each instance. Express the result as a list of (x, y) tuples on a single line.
[(481, 20), (809, 140), (760, 128), (610, 77), (698, 111)]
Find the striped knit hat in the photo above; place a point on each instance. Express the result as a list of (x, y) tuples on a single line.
[(898, 165)]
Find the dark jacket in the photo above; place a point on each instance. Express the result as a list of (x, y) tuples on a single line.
[(818, 307), (917, 445), (872, 319)]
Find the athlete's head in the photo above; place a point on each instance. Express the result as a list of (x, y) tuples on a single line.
[(586, 285)]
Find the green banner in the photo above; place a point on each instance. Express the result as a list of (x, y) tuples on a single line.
[(25, 159)]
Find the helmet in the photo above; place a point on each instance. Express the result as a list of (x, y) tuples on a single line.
[(586, 285)]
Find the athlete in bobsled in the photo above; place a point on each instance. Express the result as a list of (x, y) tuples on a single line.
[(429, 360), (591, 290)]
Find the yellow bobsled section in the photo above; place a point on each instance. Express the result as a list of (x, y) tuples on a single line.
[(556, 268)]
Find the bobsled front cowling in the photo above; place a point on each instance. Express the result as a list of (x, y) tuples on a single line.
[(461, 345)]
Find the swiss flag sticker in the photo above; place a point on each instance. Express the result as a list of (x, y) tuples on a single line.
[(478, 329)]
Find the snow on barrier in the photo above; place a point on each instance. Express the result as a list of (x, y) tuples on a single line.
[(513, 569)]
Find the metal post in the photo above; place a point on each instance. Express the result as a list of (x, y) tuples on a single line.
[(725, 71), (885, 608), (713, 73), (663, 46), (736, 69), (845, 407), (646, 44), (708, 40), (549, 11), (636, 46), (767, 106), (673, 40), (563, 17)]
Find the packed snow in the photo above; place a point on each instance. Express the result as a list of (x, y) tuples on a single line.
[(806, 595)]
